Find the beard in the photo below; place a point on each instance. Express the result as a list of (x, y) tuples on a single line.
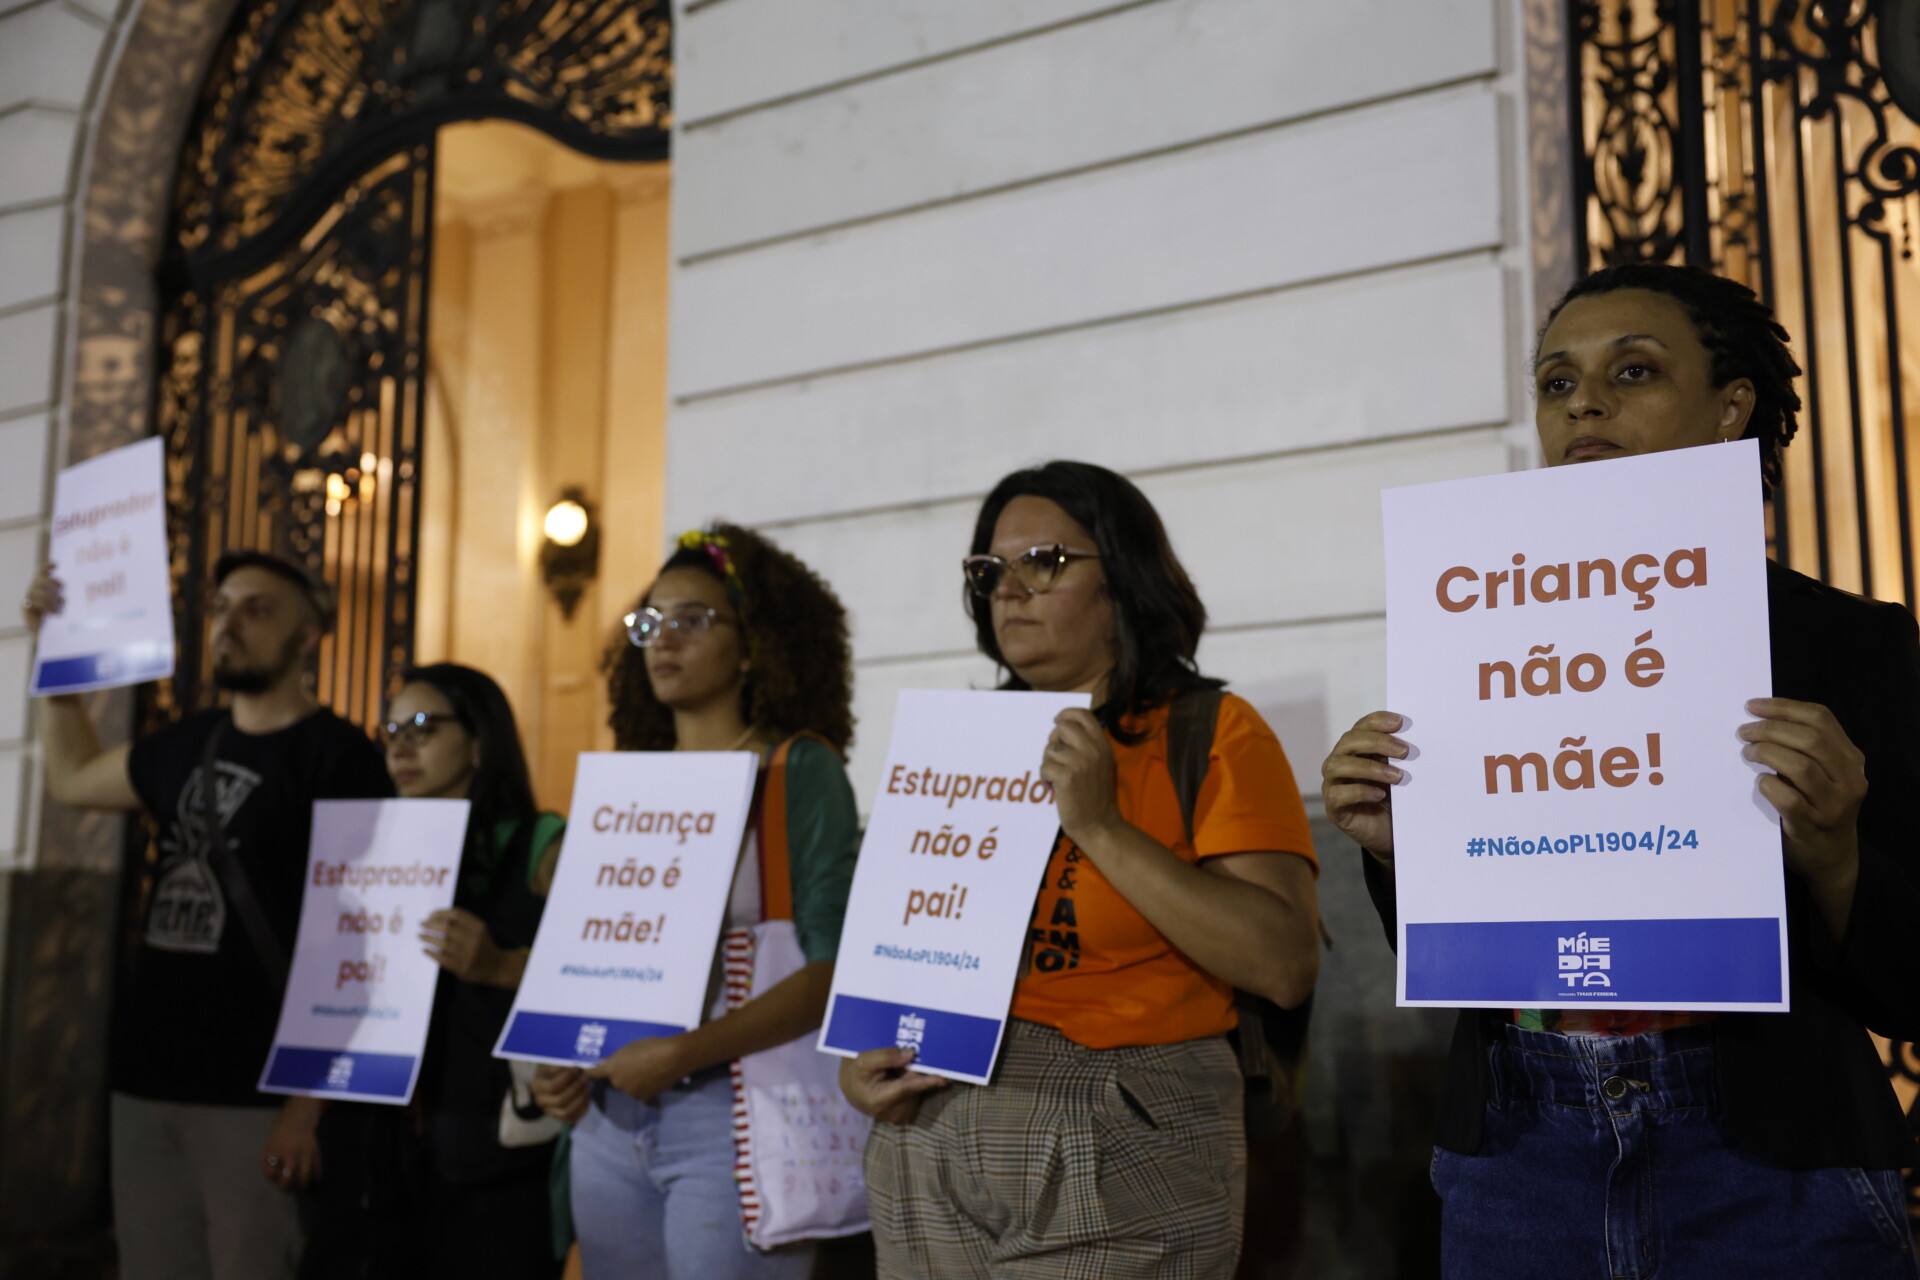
[(234, 678)]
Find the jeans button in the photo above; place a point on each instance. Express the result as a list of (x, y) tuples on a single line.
[(1614, 1088)]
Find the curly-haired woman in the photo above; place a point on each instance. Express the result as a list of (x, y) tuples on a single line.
[(736, 646), (1621, 1142)]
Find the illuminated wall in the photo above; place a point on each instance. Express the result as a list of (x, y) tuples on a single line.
[(547, 370)]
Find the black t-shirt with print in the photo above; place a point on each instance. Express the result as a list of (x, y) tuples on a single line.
[(194, 1017)]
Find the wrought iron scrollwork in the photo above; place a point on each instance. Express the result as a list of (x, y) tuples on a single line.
[(307, 93), (290, 411), (1903, 1067), (1630, 175), (1799, 173), (293, 336)]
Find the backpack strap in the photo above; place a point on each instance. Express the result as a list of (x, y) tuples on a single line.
[(1270, 1041), (770, 831), (1190, 727)]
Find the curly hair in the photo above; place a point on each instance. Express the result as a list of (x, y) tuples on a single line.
[(795, 631), (1158, 614), (1740, 333)]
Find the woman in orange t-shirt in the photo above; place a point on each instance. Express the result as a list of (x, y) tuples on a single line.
[(1109, 1144)]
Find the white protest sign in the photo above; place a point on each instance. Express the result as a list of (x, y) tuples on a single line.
[(109, 549), (627, 941), (943, 893), (353, 1022), (1573, 650)]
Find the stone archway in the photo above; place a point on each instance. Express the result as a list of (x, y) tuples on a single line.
[(292, 339), (323, 90), (63, 916)]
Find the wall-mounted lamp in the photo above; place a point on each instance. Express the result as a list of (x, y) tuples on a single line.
[(570, 556)]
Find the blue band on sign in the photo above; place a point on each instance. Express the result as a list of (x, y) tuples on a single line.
[(572, 1038), (373, 1075), (1620, 962), (131, 663), (958, 1042)]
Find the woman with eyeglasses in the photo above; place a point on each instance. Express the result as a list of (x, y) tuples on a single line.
[(1673, 1143), (450, 1199), (1109, 1144), (737, 646)]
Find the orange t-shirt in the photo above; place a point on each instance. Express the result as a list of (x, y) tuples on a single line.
[(1102, 975)]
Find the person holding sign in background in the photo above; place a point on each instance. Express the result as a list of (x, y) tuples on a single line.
[(203, 1164), (450, 733), (737, 646), (1615, 1142), (1109, 1144), (460, 1203)]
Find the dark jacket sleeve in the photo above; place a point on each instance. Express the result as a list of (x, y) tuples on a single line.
[(1874, 971), (1381, 888)]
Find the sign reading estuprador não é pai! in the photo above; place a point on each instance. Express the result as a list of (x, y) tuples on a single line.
[(961, 832)]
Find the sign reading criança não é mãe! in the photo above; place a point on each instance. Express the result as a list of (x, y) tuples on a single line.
[(627, 941), (1573, 649)]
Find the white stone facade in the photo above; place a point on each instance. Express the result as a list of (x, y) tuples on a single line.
[(54, 61), (1265, 256)]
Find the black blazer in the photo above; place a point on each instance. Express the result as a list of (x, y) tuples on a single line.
[(1804, 1089)]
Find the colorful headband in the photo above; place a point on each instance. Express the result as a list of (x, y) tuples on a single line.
[(715, 548)]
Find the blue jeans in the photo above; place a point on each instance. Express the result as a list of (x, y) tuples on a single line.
[(1601, 1159), (653, 1191)]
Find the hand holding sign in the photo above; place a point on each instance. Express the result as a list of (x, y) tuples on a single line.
[(642, 1068), (562, 1092), (45, 595), (1818, 784), (458, 941), (881, 1083), (1079, 764), (1360, 779)]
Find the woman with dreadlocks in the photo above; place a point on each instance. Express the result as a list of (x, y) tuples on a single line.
[(736, 646), (1656, 1143)]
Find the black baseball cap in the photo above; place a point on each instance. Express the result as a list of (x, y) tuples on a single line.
[(319, 595)]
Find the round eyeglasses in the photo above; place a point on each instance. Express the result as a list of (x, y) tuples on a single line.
[(1036, 568), (646, 626), (415, 729)]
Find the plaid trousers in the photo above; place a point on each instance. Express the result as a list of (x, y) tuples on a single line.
[(1074, 1164)]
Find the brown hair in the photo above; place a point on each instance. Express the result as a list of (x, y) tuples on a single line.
[(1158, 613)]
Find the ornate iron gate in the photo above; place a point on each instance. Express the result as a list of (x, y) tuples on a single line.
[(292, 411), (293, 339), (1775, 141)]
